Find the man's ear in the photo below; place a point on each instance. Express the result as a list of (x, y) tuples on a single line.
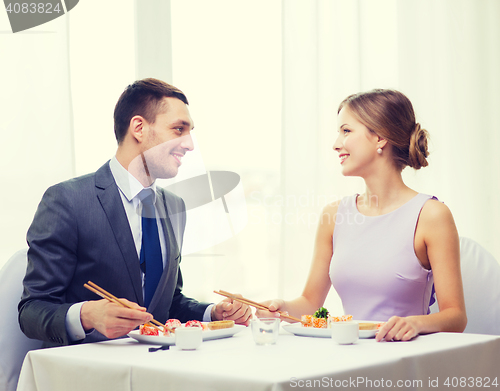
[(136, 128)]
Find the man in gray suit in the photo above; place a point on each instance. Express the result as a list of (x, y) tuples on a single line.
[(89, 228)]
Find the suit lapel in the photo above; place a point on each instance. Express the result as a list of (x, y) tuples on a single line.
[(110, 199)]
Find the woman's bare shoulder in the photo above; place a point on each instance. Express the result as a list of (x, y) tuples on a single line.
[(435, 211), (332, 207), (436, 221), (328, 216)]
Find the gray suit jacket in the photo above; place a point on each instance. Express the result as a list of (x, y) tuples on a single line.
[(80, 232)]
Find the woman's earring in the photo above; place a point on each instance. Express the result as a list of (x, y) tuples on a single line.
[(379, 151)]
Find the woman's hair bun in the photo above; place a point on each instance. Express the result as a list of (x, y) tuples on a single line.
[(418, 148)]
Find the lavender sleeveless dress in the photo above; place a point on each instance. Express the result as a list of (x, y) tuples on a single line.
[(374, 268)]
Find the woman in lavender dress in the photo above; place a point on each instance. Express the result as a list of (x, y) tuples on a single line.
[(386, 249)]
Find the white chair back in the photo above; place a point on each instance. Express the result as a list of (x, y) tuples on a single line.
[(481, 280), (13, 343)]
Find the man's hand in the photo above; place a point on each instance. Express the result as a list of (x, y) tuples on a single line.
[(228, 309), (112, 320)]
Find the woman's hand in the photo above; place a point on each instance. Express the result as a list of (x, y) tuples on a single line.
[(274, 306), (398, 329)]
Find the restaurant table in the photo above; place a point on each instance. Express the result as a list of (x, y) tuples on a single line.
[(438, 361)]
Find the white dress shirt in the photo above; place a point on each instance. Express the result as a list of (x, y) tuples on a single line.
[(129, 188)]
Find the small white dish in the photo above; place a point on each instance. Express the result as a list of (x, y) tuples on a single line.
[(345, 333), (188, 338)]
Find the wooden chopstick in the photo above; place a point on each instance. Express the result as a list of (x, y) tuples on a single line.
[(254, 304), (106, 295)]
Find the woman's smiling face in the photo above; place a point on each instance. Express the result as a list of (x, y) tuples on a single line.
[(356, 145)]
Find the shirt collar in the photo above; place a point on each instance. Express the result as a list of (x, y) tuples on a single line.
[(127, 183)]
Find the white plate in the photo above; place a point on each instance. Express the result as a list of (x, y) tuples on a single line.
[(297, 329), (207, 335)]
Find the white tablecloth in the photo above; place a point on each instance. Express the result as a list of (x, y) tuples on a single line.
[(236, 363)]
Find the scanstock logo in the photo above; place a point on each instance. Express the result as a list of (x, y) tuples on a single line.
[(26, 14)]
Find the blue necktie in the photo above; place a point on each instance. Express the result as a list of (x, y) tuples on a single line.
[(151, 259)]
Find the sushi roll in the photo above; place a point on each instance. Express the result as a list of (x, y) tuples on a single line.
[(306, 320), (194, 323), (320, 318), (145, 329), (221, 324), (171, 325)]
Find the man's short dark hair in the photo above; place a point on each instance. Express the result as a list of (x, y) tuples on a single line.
[(143, 97)]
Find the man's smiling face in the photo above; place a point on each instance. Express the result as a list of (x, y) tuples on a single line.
[(168, 139)]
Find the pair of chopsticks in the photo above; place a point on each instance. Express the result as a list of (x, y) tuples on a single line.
[(254, 304), (106, 295)]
